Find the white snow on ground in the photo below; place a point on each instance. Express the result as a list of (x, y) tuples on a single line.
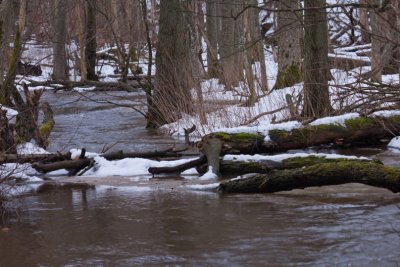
[(202, 186), (30, 148), (386, 113), (84, 89), (281, 157), (209, 175), (335, 119), (128, 166), (191, 171), (75, 153), (10, 113), (394, 143), (21, 171)]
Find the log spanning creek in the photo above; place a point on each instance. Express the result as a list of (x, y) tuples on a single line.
[(172, 223)]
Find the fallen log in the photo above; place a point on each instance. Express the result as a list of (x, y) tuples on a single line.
[(99, 86), (361, 131), (368, 173), (239, 167), (179, 168), (65, 164), (31, 158)]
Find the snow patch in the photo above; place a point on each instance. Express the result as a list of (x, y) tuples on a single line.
[(281, 157), (30, 148), (340, 120), (394, 143)]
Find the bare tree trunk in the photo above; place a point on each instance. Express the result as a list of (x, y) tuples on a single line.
[(7, 24), (384, 41), (81, 22), (364, 23), (230, 39), (173, 77), (91, 44), (7, 143), (8, 88), (289, 48), (316, 66), (60, 65), (212, 24)]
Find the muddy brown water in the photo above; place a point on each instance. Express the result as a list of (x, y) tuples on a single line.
[(167, 223)]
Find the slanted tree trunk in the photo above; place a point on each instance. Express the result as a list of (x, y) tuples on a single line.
[(60, 66), (289, 34), (91, 44), (316, 66)]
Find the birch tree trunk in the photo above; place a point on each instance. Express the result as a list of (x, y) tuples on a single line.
[(60, 65), (289, 48), (316, 66)]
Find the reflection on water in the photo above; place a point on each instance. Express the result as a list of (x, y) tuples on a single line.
[(148, 225), (142, 227), (83, 122)]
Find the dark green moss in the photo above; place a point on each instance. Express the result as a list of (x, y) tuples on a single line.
[(360, 123), (238, 137), (290, 77)]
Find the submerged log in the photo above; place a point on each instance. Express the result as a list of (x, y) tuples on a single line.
[(368, 173)]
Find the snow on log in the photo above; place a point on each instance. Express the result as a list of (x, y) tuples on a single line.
[(333, 173), (340, 131)]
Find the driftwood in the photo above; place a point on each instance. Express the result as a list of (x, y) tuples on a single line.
[(362, 131), (369, 173), (180, 168)]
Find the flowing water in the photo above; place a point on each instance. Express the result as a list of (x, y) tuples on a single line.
[(165, 223)]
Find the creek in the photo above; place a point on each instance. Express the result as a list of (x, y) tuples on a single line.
[(164, 223)]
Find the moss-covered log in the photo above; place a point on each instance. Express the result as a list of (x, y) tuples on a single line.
[(369, 173), (362, 131), (229, 167)]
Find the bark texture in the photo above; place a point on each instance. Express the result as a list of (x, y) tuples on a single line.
[(60, 69), (316, 66), (289, 34), (368, 173)]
